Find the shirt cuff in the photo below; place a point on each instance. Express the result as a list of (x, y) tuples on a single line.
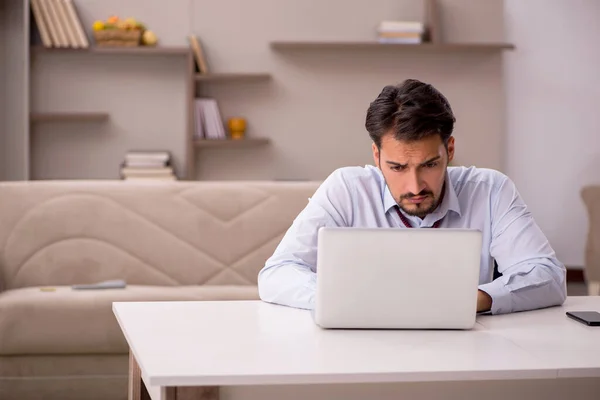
[(501, 296), (311, 286)]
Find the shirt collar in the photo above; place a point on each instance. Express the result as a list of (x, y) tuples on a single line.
[(388, 199), (449, 203)]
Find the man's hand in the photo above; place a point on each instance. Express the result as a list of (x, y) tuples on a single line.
[(484, 301)]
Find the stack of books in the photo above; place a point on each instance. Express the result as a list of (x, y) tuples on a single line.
[(209, 124), (403, 32), (147, 165), (58, 24)]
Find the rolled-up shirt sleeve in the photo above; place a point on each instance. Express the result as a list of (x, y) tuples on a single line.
[(532, 276), (289, 276)]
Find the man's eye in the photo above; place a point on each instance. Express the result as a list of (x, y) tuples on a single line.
[(431, 165), (396, 168)]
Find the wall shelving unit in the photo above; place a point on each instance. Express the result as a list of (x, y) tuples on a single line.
[(18, 123), (193, 79)]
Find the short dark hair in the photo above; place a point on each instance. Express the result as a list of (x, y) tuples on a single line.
[(411, 110)]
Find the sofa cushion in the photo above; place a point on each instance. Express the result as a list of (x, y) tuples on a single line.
[(61, 365), (60, 377), (67, 321)]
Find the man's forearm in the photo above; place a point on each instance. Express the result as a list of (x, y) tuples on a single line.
[(289, 285), (517, 290)]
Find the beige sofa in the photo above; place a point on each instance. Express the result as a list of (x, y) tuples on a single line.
[(591, 199), (168, 241)]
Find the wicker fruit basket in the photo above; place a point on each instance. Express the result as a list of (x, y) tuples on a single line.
[(116, 32), (118, 38)]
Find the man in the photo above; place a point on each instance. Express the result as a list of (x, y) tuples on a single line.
[(412, 186)]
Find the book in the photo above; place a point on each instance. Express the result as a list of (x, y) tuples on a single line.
[(58, 26), (41, 23), (212, 126), (403, 35), (400, 40), (129, 175), (400, 32), (50, 24), (147, 165), (65, 20), (141, 171), (201, 64), (401, 26), (155, 158), (198, 120), (82, 38)]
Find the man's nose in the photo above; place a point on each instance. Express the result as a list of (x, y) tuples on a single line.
[(415, 184)]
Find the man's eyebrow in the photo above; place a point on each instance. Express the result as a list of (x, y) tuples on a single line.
[(395, 164), (431, 160)]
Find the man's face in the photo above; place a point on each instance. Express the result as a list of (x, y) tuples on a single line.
[(414, 171)]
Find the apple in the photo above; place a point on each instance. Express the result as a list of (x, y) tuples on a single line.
[(149, 38)]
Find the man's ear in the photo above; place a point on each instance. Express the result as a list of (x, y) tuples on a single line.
[(450, 149), (376, 155)]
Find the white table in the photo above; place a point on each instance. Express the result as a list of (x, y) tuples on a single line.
[(248, 344)]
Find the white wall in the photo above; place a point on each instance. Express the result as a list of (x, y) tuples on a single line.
[(553, 107), (314, 108)]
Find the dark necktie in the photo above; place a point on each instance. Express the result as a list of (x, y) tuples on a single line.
[(407, 223)]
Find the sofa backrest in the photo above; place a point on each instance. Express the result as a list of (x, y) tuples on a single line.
[(152, 233)]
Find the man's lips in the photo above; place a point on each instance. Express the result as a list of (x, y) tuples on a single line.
[(416, 199)]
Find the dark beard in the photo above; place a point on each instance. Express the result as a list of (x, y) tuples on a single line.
[(419, 211)]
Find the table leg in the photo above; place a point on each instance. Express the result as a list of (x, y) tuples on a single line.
[(137, 389)]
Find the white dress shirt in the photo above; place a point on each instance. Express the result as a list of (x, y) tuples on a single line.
[(476, 198)]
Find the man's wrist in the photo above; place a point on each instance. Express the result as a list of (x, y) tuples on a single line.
[(484, 301)]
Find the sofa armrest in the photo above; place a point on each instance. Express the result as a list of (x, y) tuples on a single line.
[(591, 199)]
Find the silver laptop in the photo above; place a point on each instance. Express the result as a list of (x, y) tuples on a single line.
[(387, 278)]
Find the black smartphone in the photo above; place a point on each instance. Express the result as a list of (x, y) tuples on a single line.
[(591, 318)]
